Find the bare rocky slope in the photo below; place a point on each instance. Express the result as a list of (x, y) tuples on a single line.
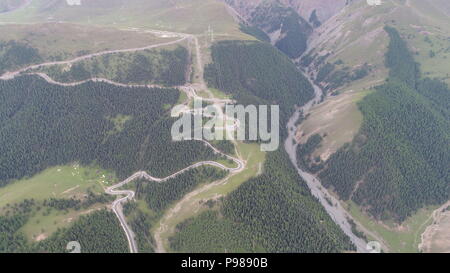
[(288, 23), (305, 8)]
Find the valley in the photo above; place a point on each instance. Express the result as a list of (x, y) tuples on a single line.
[(329, 202), (86, 93)]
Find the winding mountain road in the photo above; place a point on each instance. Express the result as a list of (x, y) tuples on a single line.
[(11, 75), (117, 205), (337, 213), (189, 89)]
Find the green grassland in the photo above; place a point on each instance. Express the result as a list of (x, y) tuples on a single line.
[(254, 158), (404, 238), (338, 118), (155, 200), (44, 223), (193, 206), (357, 37), (63, 41), (61, 182), (58, 182), (184, 16), (373, 176)]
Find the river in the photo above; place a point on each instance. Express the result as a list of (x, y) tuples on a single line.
[(335, 210)]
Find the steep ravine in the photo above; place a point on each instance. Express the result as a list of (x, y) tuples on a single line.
[(272, 18), (336, 211)]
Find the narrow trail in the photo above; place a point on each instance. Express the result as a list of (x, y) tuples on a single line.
[(52, 81)]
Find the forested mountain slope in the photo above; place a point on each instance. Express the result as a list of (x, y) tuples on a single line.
[(265, 77), (399, 161), (44, 125), (273, 212)]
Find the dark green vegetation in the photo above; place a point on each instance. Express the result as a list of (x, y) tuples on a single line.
[(273, 212), (44, 125), (255, 32), (400, 61), (141, 223), (314, 20), (159, 196), (330, 76), (257, 74), (11, 240), (165, 67), (218, 234), (16, 54), (399, 162), (99, 232), (77, 204), (224, 146), (304, 152), (356, 231), (92, 231), (272, 16)]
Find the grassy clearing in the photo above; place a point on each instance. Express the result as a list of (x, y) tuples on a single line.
[(64, 41), (405, 238), (182, 98), (119, 122), (194, 16), (57, 182), (356, 37), (440, 241), (60, 182), (255, 160), (194, 204), (338, 118), (42, 223)]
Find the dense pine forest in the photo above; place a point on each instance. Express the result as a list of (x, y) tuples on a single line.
[(99, 232), (11, 240), (121, 129), (304, 152), (273, 212), (157, 197), (14, 55), (257, 74), (208, 232), (401, 156)]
